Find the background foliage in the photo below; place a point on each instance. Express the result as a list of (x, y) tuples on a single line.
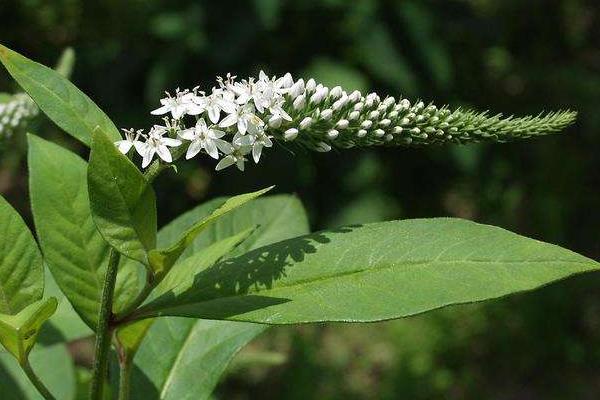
[(509, 56)]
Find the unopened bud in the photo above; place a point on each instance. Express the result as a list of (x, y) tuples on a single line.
[(300, 102), (342, 124), (275, 121), (332, 134), (326, 113), (290, 134), (306, 122)]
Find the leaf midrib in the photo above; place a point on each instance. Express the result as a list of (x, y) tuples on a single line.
[(306, 282), (47, 89)]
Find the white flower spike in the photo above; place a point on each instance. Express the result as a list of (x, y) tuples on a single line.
[(242, 117)]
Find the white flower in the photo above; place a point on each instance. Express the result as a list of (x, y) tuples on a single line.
[(256, 139), (156, 143), (235, 155), (178, 106), (218, 100), (131, 137), (243, 116), (204, 137)]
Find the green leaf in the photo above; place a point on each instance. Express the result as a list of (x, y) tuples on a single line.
[(19, 332), (52, 364), (58, 98), (122, 201), (21, 268), (73, 249), (162, 260), (65, 325), (370, 273), (181, 276), (171, 363), (130, 336), (278, 217), (182, 359)]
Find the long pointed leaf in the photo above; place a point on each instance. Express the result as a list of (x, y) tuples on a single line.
[(370, 273)]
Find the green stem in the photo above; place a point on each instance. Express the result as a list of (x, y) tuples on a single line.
[(125, 365), (39, 385), (103, 331)]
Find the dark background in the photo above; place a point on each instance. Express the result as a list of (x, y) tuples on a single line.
[(510, 56)]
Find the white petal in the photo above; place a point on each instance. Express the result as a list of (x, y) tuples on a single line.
[(163, 152), (246, 140), (194, 149), (224, 146), (189, 134), (213, 114), (215, 134), (240, 164), (171, 142), (141, 148), (227, 106), (124, 146), (148, 157), (161, 110), (256, 150), (211, 149), (178, 111), (195, 109), (242, 125), (229, 120), (225, 162)]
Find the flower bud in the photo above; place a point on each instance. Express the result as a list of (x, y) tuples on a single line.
[(287, 81), (355, 96), (311, 85), (389, 101), (359, 106), (297, 89), (300, 102), (275, 121), (379, 132), (332, 134), (336, 92), (385, 122), (326, 114), (290, 134), (306, 122), (361, 133), (354, 115), (322, 147), (366, 124), (342, 124), (389, 137), (341, 102), (374, 114), (397, 129)]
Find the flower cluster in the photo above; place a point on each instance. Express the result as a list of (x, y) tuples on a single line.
[(239, 118), (15, 114)]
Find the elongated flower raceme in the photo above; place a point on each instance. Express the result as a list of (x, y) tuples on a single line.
[(15, 114), (237, 119)]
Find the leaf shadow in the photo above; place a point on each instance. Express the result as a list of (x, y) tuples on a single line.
[(232, 287)]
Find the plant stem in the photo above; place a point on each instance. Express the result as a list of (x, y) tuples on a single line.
[(39, 385), (153, 170), (103, 331), (125, 365)]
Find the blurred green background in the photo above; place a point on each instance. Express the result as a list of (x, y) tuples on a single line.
[(509, 56)]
